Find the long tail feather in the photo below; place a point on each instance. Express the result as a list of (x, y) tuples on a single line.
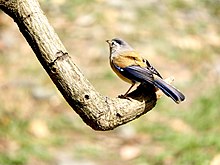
[(169, 90)]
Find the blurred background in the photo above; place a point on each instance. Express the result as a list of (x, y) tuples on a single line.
[(180, 38)]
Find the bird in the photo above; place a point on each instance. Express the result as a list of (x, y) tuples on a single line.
[(128, 64)]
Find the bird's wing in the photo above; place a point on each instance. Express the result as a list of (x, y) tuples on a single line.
[(132, 66), (151, 68), (136, 73)]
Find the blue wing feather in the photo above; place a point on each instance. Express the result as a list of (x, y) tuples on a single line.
[(136, 73)]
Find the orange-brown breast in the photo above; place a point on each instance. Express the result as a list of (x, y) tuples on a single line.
[(119, 74)]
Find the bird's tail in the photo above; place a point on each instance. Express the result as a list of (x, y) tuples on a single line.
[(169, 90)]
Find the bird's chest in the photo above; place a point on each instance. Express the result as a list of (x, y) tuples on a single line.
[(119, 72)]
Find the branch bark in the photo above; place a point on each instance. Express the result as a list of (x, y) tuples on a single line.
[(99, 112)]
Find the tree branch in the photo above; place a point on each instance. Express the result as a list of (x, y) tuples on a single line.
[(99, 112)]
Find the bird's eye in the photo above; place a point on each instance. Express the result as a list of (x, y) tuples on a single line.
[(114, 43)]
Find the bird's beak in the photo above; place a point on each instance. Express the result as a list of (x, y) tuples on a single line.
[(108, 41)]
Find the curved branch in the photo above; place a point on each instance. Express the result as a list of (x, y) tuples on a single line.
[(99, 112)]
